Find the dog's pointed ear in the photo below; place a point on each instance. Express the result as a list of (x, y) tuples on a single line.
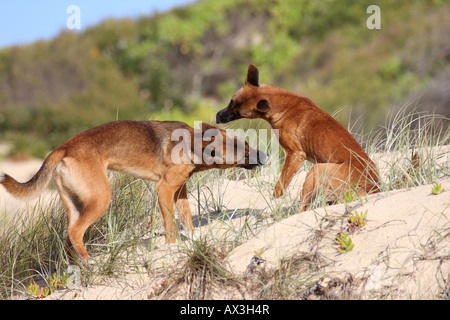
[(252, 76), (263, 105)]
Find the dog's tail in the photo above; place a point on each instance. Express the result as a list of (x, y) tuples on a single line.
[(38, 182)]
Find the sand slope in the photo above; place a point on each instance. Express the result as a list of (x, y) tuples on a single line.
[(403, 251)]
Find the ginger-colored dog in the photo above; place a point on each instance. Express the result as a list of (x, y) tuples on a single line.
[(168, 152), (305, 132)]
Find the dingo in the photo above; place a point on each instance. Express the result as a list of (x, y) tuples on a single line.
[(140, 148), (305, 132)]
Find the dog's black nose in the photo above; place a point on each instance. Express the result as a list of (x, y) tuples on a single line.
[(218, 119)]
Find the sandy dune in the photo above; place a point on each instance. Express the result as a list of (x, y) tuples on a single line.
[(403, 251)]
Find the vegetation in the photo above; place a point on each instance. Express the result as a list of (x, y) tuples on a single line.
[(345, 242), (126, 236), (437, 188), (53, 283), (185, 65), (357, 220)]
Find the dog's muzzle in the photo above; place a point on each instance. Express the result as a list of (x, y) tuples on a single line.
[(218, 118), (224, 116)]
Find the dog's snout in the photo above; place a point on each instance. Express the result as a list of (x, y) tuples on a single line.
[(225, 116), (218, 117)]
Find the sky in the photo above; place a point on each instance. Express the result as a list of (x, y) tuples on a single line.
[(26, 21)]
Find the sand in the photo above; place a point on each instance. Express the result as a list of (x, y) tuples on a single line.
[(402, 252)]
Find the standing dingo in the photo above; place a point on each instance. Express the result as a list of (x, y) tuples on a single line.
[(143, 149)]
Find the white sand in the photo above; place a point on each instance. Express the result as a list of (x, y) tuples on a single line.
[(401, 253)]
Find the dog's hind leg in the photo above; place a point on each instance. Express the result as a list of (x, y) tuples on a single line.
[(86, 196), (73, 209), (327, 179)]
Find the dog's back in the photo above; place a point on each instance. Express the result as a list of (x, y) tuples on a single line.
[(144, 149), (128, 146), (323, 139)]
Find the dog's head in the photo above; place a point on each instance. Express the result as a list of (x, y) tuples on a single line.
[(219, 149), (250, 102)]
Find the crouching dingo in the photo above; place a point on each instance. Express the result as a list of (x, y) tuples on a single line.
[(305, 132)]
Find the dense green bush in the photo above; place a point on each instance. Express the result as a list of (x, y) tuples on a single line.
[(164, 65)]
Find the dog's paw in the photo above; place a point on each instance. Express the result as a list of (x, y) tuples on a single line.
[(278, 191), (88, 262)]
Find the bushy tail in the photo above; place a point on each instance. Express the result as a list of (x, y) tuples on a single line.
[(38, 182)]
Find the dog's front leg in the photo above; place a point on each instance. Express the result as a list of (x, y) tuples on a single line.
[(171, 187), (166, 205), (293, 162), (182, 204)]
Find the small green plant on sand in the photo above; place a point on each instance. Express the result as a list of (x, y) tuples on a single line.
[(54, 283), (437, 188), (349, 196), (259, 253), (357, 220), (344, 241), (38, 292), (159, 288)]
